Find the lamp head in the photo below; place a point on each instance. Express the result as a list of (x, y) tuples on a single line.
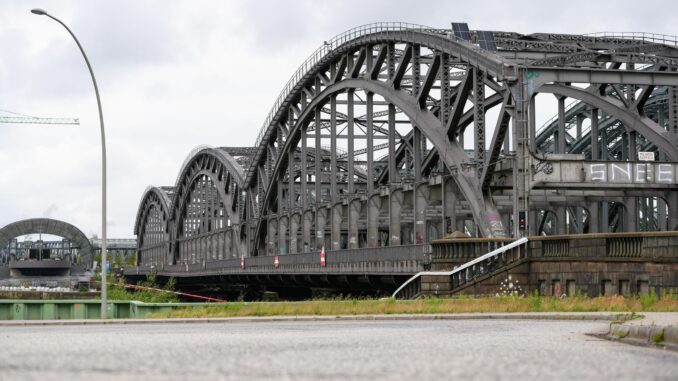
[(38, 11)]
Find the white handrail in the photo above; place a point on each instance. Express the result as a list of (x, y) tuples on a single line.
[(642, 36), (465, 265)]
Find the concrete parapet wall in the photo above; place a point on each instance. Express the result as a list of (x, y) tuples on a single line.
[(588, 264), (603, 277)]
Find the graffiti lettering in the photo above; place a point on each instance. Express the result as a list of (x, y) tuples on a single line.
[(632, 173)]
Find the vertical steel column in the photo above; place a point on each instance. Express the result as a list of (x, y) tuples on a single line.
[(595, 149), (523, 122), (220, 245), (228, 243), (370, 143), (594, 217), (321, 220), (579, 215), (533, 216), (353, 217), (561, 142), (373, 206), (354, 207), (422, 195), (631, 214), (418, 156), (646, 212), (444, 75), (337, 212), (336, 209), (594, 206), (272, 240), (625, 145), (390, 60), (281, 234), (393, 175), (291, 192), (349, 126), (673, 209), (418, 213), (449, 196), (319, 225), (304, 169), (294, 233), (318, 158), (394, 203), (479, 118), (395, 208), (673, 109), (605, 207), (306, 231), (661, 214), (561, 217), (283, 222), (416, 71), (333, 149), (633, 145)]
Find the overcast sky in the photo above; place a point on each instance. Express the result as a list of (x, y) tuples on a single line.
[(177, 74)]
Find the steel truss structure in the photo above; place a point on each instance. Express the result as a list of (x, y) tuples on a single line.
[(393, 134)]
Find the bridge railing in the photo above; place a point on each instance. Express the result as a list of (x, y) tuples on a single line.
[(450, 252), (407, 259), (641, 36), (607, 245)]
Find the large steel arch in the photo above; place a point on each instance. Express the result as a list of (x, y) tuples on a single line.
[(48, 226), (432, 38), (453, 155), (207, 207), (480, 66)]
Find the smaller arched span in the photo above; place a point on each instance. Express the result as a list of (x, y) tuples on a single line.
[(48, 226), (208, 206), (214, 161), (160, 196), (151, 226)]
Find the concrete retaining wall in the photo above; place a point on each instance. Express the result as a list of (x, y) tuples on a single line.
[(82, 309)]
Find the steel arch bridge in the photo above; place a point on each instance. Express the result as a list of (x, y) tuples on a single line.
[(394, 134)]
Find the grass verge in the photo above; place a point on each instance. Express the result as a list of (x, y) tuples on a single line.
[(428, 306)]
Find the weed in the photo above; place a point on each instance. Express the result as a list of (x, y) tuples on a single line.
[(658, 338), (648, 299), (340, 306)]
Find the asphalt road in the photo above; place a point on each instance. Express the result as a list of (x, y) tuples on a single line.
[(356, 350)]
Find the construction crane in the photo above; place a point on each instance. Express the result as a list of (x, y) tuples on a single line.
[(13, 117)]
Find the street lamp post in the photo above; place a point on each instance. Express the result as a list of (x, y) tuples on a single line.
[(42, 12)]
